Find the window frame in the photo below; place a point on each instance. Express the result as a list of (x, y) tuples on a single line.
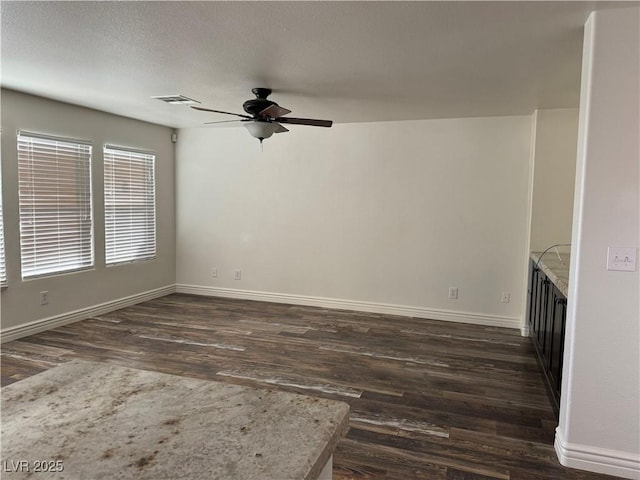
[(54, 151), (3, 258), (144, 208)]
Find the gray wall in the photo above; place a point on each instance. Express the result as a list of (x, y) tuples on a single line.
[(82, 290)]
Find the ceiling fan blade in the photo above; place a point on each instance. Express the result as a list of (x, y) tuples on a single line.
[(220, 111), (227, 121), (274, 111), (304, 121), (281, 128)]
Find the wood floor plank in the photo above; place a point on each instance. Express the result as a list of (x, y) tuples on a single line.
[(378, 461), (429, 399)]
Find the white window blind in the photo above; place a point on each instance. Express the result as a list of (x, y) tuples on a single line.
[(3, 267), (56, 228), (130, 205)]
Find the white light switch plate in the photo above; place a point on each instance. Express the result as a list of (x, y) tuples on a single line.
[(622, 259)]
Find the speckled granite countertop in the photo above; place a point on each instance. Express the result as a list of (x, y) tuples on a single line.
[(100, 421), (556, 269)]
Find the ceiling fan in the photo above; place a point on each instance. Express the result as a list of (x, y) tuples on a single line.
[(265, 117)]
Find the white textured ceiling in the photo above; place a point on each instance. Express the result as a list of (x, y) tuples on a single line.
[(345, 61)]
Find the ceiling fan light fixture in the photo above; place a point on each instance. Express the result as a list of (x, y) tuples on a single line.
[(260, 129)]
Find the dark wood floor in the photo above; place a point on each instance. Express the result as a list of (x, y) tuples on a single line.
[(429, 399)]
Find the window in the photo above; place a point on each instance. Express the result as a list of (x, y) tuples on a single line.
[(54, 191), (129, 205), (3, 268), (3, 265)]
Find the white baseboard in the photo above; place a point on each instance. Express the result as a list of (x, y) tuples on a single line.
[(596, 459), (354, 305), (13, 333)]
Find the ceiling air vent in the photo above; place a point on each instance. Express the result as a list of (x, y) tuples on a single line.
[(176, 99)]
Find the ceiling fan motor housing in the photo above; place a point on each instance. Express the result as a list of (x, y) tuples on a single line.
[(258, 104)]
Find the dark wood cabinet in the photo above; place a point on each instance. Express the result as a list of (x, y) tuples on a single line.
[(547, 320), (559, 316)]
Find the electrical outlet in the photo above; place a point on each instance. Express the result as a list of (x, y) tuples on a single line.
[(214, 272), (506, 297), (44, 298), (238, 274), (453, 293)]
